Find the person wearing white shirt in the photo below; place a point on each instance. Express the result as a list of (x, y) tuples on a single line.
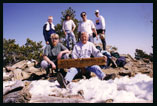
[(87, 26), (84, 49), (100, 27), (68, 29)]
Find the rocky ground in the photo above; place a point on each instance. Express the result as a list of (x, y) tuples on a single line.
[(18, 77)]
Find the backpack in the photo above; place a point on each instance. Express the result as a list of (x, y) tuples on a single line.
[(115, 54), (121, 61)]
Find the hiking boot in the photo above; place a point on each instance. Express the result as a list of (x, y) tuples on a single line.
[(110, 76), (61, 80), (52, 79)]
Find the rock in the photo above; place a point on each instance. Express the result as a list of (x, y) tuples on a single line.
[(53, 99), (146, 60), (125, 72), (21, 64), (24, 70), (10, 88), (109, 101), (7, 76), (20, 75), (17, 93)]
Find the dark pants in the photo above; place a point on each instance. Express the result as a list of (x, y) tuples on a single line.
[(99, 31), (45, 65)]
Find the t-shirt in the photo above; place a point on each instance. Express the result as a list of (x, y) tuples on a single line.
[(85, 50), (53, 51), (68, 24), (86, 26), (100, 22)]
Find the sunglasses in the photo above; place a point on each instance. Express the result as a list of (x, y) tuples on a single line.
[(83, 15), (54, 38)]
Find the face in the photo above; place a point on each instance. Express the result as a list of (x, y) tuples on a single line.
[(50, 20), (68, 18), (55, 41), (97, 14), (83, 16), (84, 38)]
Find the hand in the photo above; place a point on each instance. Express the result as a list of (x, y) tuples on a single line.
[(97, 37), (102, 37), (65, 33), (105, 58), (47, 42), (53, 66), (103, 32)]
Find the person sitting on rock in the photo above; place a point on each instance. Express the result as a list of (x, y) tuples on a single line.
[(83, 49), (52, 52)]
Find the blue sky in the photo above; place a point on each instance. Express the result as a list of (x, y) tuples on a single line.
[(128, 25)]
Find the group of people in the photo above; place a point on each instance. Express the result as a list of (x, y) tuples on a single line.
[(84, 48), (68, 27)]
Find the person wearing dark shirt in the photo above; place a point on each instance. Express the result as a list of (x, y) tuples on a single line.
[(52, 53), (48, 29)]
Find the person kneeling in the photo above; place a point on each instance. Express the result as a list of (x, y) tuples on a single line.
[(52, 53)]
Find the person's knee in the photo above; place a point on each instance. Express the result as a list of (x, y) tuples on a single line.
[(44, 64), (73, 70), (96, 66)]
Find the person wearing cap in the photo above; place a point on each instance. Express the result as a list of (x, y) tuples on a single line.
[(100, 27), (87, 26), (48, 29), (52, 53), (68, 29)]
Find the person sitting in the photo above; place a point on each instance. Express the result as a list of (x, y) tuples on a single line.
[(52, 53), (83, 49)]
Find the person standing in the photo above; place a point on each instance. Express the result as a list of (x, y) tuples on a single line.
[(100, 27), (87, 26), (48, 29), (68, 29)]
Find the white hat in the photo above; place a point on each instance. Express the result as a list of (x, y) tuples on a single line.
[(96, 11), (50, 17)]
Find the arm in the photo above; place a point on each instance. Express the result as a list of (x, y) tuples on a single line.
[(63, 28), (46, 54), (93, 28), (103, 22), (49, 61), (79, 34), (73, 26), (94, 31), (97, 53), (62, 52), (45, 34)]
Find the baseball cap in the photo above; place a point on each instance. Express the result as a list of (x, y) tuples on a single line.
[(96, 11)]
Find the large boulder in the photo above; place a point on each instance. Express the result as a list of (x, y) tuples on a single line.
[(17, 92), (23, 70)]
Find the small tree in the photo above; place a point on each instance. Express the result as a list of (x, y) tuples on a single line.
[(10, 51), (58, 27), (13, 53), (140, 54)]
